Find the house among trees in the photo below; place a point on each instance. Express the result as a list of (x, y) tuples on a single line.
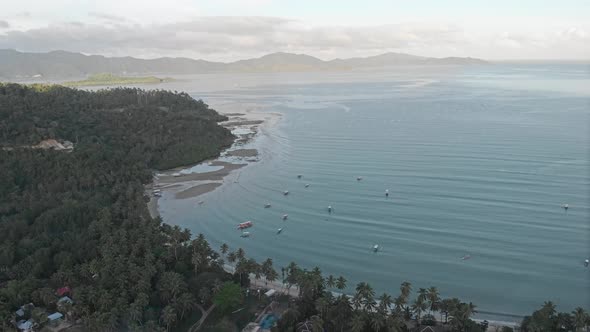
[(55, 145), (55, 318), (63, 291)]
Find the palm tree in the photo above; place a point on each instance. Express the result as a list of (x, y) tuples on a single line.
[(377, 321), (341, 283), (184, 303), (343, 312), (461, 314), (330, 281), (358, 323), (224, 249), (369, 304), (395, 323), (168, 316), (196, 259), (322, 305), (257, 269), (231, 257), (399, 303), (433, 299), (445, 307), (365, 290), (406, 289), (272, 275), (419, 307), (240, 254), (422, 294), (288, 320), (581, 319), (385, 303), (357, 301)]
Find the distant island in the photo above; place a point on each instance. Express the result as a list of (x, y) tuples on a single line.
[(110, 79), (62, 64)]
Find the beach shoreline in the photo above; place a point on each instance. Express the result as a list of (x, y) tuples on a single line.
[(184, 183)]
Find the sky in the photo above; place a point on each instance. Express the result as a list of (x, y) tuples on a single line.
[(228, 30)]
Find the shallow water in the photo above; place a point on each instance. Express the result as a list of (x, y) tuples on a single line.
[(477, 161)]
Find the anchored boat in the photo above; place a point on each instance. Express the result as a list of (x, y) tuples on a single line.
[(245, 225)]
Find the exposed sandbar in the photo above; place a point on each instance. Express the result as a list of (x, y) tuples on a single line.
[(197, 190)]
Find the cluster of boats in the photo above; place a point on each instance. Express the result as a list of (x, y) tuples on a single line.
[(245, 225), (375, 248)]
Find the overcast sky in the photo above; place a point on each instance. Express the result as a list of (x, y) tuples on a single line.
[(225, 30)]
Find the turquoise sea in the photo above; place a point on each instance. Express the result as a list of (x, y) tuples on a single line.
[(478, 161)]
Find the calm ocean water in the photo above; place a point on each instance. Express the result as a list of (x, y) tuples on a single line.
[(477, 161)]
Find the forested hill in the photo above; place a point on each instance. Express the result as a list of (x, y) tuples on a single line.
[(79, 218), (62, 64)]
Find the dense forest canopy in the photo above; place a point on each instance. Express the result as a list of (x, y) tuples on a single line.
[(79, 218)]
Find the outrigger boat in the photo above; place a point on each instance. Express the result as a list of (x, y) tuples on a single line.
[(245, 225)]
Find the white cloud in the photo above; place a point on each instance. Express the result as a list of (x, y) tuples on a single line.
[(230, 38)]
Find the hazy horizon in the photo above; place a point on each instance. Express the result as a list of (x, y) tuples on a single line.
[(507, 60), (230, 30)]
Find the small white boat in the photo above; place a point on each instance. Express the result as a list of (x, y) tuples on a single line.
[(306, 185), (245, 234), (376, 248), (359, 178), (565, 206), (176, 175), (466, 257), (158, 194), (386, 192), (329, 208), (285, 216), (587, 262), (279, 230), (267, 205), (286, 192)]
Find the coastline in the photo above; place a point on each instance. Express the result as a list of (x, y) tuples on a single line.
[(190, 182)]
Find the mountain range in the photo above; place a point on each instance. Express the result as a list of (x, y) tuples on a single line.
[(62, 64)]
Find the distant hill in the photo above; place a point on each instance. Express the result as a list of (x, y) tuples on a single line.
[(62, 64)]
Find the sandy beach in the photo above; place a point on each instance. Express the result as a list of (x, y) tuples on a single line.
[(184, 184)]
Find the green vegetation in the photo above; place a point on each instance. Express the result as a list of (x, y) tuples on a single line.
[(110, 79), (79, 219), (548, 319), (229, 297)]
